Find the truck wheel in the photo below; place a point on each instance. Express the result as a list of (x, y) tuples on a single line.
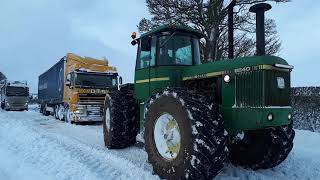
[(68, 116), (61, 112), (2, 105), (184, 136), (263, 149), (119, 120)]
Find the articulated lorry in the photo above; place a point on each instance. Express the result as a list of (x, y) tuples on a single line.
[(14, 95), (74, 89)]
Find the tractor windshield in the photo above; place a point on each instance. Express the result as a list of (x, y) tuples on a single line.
[(178, 50)]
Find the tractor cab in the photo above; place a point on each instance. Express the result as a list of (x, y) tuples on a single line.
[(165, 51), (168, 45)]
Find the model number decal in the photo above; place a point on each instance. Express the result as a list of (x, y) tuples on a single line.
[(199, 76), (247, 69)]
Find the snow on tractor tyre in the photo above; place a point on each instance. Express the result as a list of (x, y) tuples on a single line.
[(263, 149), (119, 120), (184, 136)]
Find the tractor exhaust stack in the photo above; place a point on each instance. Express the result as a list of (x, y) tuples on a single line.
[(260, 9), (231, 30)]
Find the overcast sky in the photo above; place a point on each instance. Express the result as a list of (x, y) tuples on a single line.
[(34, 34)]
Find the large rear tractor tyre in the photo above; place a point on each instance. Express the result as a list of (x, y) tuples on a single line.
[(120, 120), (262, 149), (184, 135)]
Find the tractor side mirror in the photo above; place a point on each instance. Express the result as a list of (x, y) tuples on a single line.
[(134, 42), (120, 80)]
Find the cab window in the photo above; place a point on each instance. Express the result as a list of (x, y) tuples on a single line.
[(176, 50)]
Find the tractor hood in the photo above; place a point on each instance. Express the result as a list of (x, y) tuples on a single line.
[(229, 66)]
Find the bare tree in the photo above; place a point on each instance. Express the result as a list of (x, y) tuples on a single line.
[(210, 17)]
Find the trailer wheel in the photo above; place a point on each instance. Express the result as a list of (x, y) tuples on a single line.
[(263, 149), (44, 110), (56, 109), (119, 120), (61, 112), (184, 136)]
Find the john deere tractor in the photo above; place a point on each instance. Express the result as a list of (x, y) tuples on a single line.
[(192, 116)]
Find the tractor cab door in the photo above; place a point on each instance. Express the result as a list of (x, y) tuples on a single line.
[(145, 68)]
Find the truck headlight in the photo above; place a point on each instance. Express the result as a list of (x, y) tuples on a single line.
[(7, 104), (270, 117), (289, 116)]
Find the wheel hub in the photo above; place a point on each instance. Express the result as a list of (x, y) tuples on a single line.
[(167, 136)]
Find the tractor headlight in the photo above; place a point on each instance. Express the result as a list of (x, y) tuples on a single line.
[(227, 78), (270, 117)]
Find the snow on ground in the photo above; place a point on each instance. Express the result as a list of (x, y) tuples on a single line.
[(37, 147)]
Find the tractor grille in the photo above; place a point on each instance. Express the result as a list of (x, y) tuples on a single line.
[(249, 89), (260, 89)]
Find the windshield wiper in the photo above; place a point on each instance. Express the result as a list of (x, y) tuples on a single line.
[(167, 40)]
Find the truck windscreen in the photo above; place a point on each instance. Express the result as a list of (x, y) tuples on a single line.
[(95, 80), (17, 91)]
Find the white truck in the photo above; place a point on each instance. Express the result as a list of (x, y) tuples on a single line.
[(14, 95)]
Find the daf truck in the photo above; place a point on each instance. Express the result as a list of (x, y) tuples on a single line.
[(74, 89), (14, 95)]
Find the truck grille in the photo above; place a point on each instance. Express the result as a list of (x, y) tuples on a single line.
[(92, 100), (94, 111), (260, 89)]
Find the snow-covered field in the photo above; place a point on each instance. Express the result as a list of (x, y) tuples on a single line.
[(37, 147)]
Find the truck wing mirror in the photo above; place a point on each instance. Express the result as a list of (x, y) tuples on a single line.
[(120, 80)]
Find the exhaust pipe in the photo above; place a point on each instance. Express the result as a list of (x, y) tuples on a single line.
[(260, 9), (231, 30)]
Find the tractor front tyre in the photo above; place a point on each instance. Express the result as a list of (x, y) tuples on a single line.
[(120, 120), (184, 135), (262, 149)]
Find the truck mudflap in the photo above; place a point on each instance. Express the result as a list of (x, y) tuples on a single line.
[(242, 119)]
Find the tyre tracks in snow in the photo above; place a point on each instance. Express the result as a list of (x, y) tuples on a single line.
[(32, 138)]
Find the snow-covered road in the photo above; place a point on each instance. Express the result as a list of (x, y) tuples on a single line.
[(37, 147)]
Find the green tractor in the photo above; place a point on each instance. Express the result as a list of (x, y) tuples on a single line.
[(192, 116)]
